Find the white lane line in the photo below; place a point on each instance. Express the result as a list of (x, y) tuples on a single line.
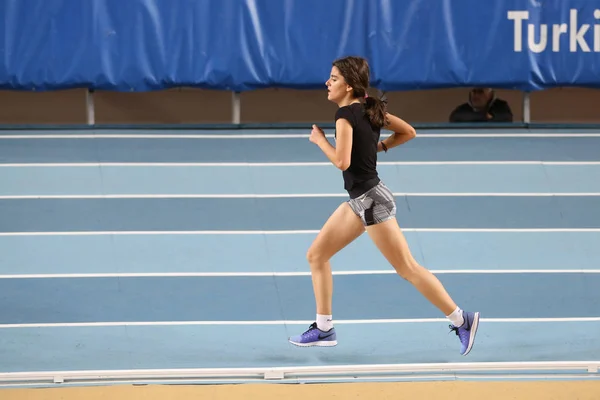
[(287, 195), (281, 164), (283, 135), (289, 232), (286, 274), (282, 322)]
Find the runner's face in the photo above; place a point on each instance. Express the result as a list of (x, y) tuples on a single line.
[(337, 88)]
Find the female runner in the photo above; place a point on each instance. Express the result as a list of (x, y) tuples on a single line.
[(371, 205)]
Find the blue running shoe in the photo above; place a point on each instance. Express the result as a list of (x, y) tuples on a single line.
[(466, 332), (315, 337)]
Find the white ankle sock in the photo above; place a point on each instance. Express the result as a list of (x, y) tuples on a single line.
[(456, 317), (324, 322)]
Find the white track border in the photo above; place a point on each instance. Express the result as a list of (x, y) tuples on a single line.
[(296, 373)]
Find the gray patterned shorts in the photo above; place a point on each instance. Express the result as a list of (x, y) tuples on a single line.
[(374, 206)]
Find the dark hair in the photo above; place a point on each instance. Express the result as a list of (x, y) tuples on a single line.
[(355, 71)]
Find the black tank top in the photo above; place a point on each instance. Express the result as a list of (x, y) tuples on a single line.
[(362, 173)]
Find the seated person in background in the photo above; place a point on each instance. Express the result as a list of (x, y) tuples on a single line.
[(483, 106)]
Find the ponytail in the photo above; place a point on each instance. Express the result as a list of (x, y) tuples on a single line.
[(376, 109)]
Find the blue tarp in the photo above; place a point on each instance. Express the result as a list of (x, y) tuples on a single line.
[(141, 45)]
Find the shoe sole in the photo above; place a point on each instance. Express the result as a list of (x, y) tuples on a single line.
[(473, 332), (330, 343)]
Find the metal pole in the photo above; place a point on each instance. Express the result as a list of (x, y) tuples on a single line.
[(236, 107), (90, 111), (526, 108)]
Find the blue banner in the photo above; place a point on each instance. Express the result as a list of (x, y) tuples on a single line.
[(142, 45)]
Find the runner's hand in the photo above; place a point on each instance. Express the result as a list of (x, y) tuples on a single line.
[(316, 135)]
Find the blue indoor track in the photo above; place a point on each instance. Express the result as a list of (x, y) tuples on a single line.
[(162, 255)]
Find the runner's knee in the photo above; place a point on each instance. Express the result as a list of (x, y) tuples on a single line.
[(407, 268), (315, 257)]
